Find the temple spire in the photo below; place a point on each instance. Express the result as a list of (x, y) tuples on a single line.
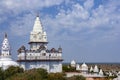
[(5, 35), (38, 36), (5, 51), (37, 25), (37, 14)]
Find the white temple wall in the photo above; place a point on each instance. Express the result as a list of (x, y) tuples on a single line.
[(22, 65), (56, 66), (50, 66)]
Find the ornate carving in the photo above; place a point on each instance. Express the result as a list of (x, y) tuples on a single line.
[(42, 47)]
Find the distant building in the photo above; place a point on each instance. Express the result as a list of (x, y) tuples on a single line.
[(73, 63), (101, 72), (5, 56), (118, 76), (96, 70), (87, 72), (77, 67), (91, 69), (84, 68), (39, 56)]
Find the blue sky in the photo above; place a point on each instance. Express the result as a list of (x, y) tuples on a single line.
[(87, 30)]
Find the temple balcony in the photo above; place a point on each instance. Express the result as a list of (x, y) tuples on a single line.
[(39, 58)]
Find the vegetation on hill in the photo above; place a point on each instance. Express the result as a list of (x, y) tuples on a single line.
[(77, 78), (17, 73)]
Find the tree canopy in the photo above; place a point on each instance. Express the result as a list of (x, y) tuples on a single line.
[(17, 73)]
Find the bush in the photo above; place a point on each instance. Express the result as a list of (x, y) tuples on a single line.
[(56, 76), (77, 78), (33, 74), (42, 72), (1, 74), (67, 68), (12, 71), (17, 73)]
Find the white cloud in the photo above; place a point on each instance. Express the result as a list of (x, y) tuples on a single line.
[(16, 10), (89, 4), (19, 5), (13, 8), (78, 18), (22, 25)]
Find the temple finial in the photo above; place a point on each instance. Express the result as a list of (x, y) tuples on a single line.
[(37, 14), (5, 35)]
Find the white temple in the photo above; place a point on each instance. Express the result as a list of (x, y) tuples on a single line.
[(5, 56), (118, 76), (84, 68), (77, 67), (101, 72), (39, 56), (96, 70), (89, 71), (73, 63)]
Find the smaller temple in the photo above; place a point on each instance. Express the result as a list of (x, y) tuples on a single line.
[(101, 72), (91, 69), (89, 72), (96, 70), (73, 63), (77, 67), (118, 76), (5, 56), (84, 68)]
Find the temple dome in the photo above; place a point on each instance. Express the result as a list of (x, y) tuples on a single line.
[(73, 63), (7, 62), (84, 67)]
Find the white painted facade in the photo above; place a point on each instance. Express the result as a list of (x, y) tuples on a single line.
[(38, 56)]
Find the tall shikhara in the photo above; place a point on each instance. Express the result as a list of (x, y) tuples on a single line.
[(39, 56)]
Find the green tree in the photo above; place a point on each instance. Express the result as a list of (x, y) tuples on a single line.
[(1, 74), (27, 75), (77, 78), (18, 76), (56, 76), (68, 68), (12, 70), (33, 74), (43, 73)]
